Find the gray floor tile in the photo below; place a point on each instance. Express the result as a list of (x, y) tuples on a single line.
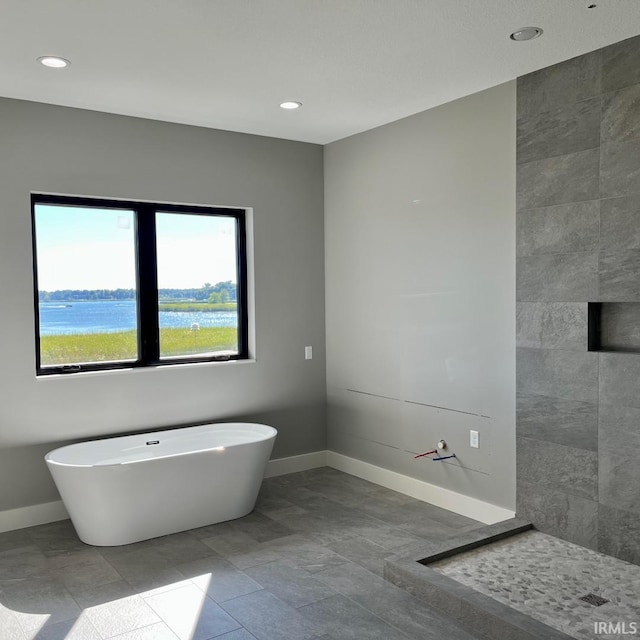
[(150, 565), (392, 604), (363, 552), (56, 537), (22, 562), (313, 534), (343, 619), (424, 521), (290, 583), (321, 529), (13, 540), (157, 631), (92, 596), (75, 629), (269, 618), (37, 601), (271, 503), (9, 624), (80, 569), (260, 527), (307, 554), (240, 634), (159, 552), (218, 578), (191, 615), (240, 549), (121, 616), (145, 580)]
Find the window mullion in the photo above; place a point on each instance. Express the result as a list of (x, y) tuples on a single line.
[(149, 336)]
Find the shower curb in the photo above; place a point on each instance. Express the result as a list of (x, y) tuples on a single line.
[(480, 614)]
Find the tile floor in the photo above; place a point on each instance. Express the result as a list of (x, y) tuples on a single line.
[(545, 577), (306, 564)]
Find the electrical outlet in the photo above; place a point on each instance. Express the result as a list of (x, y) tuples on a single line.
[(474, 439), (308, 353)]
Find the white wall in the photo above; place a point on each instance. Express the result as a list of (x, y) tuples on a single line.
[(71, 151), (420, 294)]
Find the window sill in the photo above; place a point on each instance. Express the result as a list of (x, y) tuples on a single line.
[(146, 370)]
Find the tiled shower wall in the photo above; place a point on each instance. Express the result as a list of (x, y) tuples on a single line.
[(578, 241)]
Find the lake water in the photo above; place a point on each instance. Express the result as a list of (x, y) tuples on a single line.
[(107, 316)]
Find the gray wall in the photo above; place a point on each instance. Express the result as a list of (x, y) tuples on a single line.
[(71, 151), (420, 294), (578, 240)]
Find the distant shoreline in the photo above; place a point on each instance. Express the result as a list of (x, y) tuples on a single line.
[(199, 307), (179, 307)]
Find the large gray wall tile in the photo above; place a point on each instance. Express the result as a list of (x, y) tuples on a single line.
[(619, 276), (621, 115), (620, 326), (619, 479), (566, 422), (552, 325), (552, 466), (563, 277), (619, 169), (618, 428), (569, 375), (620, 379), (619, 533), (619, 456), (569, 178), (562, 84), (620, 224), (563, 228), (571, 128), (579, 205), (621, 64), (566, 516)]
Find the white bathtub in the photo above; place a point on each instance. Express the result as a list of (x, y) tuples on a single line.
[(131, 488)]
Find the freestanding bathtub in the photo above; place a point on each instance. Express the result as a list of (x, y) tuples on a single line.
[(131, 488)]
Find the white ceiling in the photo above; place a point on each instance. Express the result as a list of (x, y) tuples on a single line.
[(227, 64)]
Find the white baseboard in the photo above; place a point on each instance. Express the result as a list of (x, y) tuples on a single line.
[(32, 515), (431, 493), (282, 466), (471, 507)]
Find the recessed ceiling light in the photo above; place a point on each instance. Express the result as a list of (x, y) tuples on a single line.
[(53, 62), (526, 33), (290, 105)]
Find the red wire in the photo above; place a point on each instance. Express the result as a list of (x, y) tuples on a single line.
[(426, 453)]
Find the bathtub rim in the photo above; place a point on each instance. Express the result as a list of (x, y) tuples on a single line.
[(263, 432)]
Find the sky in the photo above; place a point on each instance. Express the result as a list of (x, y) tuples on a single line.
[(89, 248)]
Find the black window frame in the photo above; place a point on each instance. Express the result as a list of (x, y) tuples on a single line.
[(147, 281)]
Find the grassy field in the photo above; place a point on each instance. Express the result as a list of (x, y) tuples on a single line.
[(101, 347), (198, 306)]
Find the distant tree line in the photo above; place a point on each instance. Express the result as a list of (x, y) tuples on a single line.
[(220, 292)]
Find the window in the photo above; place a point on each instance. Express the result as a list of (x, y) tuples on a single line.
[(130, 284)]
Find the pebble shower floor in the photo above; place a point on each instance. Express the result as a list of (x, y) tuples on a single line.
[(545, 578)]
